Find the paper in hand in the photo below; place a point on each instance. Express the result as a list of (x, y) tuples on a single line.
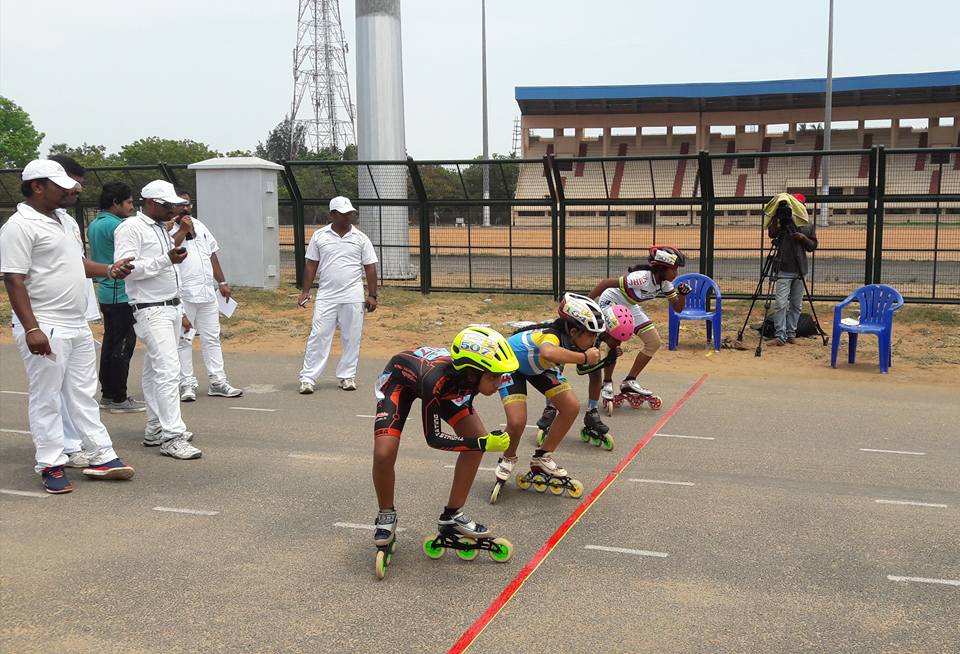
[(227, 305)]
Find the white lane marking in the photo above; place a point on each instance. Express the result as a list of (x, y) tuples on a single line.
[(695, 438), (313, 457), (14, 393), (925, 580), (354, 525), (911, 503), (503, 424), (867, 449), (480, 468), (663, 481), (364, 415), (190, 511), (23, 493), (250, 408), (624, 550), (15, 431), (258, 389)]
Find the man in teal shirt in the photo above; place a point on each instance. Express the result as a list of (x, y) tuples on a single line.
[(119, 339)]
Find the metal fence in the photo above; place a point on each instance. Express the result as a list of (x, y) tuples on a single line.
[(553, 224)]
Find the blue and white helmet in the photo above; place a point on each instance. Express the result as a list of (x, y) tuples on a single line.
[(583, 311)]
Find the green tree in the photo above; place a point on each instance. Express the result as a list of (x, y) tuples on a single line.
[(288, 140), (154, 150), (19, 139), (86, 155)]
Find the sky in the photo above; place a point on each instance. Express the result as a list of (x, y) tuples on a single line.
[(220, 71)]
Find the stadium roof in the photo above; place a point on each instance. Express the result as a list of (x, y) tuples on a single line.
[(909, 88)]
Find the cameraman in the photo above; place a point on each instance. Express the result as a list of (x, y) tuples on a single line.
[(795, 242)]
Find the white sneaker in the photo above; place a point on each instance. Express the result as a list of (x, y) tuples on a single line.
[(223, 389), (546, 464), (306, 388), (348, 384), (179, 448), (188, 393), (153, 439), (77, 460), (505, 467)]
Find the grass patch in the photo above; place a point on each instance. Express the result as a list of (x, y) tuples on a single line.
[(942, 315)]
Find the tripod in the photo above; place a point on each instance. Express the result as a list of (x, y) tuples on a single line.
[(771, 271)]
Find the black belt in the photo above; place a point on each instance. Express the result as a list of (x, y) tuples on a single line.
[(175, 302)]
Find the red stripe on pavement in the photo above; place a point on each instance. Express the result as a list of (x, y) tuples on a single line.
[(467, 638)]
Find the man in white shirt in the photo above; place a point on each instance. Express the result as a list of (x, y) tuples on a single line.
[(342, 255), (44, 272), (154, 293), (201, 277)]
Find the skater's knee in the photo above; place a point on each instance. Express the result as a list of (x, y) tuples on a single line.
[(566, 403), (649, 341)]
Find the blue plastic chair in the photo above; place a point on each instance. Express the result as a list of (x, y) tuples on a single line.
[(696, 308), (878, 302)]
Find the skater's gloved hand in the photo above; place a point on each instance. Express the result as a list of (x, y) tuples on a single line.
[(495, 441), (683, 288)]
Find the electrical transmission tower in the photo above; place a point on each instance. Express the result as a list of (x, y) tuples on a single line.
[(320, 77)]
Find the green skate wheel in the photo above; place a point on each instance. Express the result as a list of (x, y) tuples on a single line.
[(539, 483), (502, 550), (431, 549), (584, 436), (468, 555), (595, 442), (608, 443), (522, 481), (575, 489), (383, 560)]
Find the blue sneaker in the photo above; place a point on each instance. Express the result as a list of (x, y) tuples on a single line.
[(55, 480), (115, 469)]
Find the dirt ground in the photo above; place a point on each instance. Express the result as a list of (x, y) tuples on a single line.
[(926, 339)]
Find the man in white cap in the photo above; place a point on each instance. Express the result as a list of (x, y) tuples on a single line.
[(44, 271), (342, 255), (154, 293)]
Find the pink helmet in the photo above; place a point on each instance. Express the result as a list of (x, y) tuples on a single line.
[(619, 322)]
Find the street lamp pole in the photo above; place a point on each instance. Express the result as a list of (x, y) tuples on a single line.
[(486, 144), (825, 188)]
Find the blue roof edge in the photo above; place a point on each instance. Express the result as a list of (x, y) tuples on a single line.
[(727, 89)]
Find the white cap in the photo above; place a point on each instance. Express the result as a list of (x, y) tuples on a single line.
[(47, 169), (161, 190), (341, 204)]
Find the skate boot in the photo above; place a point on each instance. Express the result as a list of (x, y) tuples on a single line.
[(543, 424), (384, 537), (503, 472), (467, 538), (545, 473), (635, 394), (594, 431), (606, 391)]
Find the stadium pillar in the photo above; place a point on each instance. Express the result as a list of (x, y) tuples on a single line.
[(827, 122), (486, 140), (380, 133)]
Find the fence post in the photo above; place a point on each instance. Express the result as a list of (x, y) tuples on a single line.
[(554, 254), (881, 191), (426, 274), (871, 216), (706, 213), (299, 238), (560, 247)]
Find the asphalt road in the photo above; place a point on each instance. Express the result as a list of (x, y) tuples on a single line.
[(771, 537)]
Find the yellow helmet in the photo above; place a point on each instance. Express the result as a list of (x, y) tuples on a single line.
[(483, 349)]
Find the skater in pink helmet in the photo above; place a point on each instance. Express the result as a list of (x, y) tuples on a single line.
[(643, 282)]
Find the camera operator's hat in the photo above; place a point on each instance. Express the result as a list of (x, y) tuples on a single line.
[(341, 204), (162, 191), (48, 169), (798, 212)]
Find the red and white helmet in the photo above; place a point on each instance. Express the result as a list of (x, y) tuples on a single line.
[(583, 311), (620, 322)]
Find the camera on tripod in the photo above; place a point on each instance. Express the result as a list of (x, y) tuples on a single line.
[(784, 216)]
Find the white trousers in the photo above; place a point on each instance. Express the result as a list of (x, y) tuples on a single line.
[(205, 318), (67, 384), (159, 329), (326, 317)]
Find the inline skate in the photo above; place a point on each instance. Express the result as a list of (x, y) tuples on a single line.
[(632, 392), (503, 472), (466, 538), (594, 431), (543, 424), (544, 473), (385, 538)]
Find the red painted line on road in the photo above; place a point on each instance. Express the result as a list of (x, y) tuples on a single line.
[(470, 635)]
